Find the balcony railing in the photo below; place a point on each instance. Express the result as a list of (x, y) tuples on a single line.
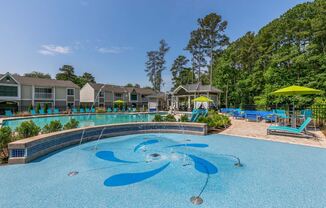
[(43, 96)]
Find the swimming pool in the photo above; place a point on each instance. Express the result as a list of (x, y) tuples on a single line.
[(84, 119), (166, 170)]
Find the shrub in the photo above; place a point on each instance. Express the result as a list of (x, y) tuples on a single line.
[(72, 124), (184, 118), (46, 107), (28, 129), (38, 107), (53, 126), (158, 118), (170, 118), (30, 107), (215, 120), (5, 138)]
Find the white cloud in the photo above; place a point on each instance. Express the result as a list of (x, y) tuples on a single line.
[(113, 50), (54, 50)]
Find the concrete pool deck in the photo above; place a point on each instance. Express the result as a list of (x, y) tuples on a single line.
[(258, 130)]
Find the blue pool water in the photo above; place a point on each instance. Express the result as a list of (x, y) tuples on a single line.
[(84, 119), (166, 170)]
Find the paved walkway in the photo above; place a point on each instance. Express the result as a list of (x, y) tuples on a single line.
[(258, 130)]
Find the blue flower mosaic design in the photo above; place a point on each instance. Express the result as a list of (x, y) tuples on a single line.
[(200, 164)]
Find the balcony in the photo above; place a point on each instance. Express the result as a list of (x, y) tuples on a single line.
[(40, 95)]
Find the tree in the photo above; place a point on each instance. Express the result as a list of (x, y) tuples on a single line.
[(37, 74), (85, 78), (155, 65), (67, 72), (178, 66)]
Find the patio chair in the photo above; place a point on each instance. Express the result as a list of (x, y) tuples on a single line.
[(82, 110), (115, 110), (129, 109), (238, 114), (8, 113), (109, 110), (268, 116), (74, 110), (252, 115), (134, 109), (93, 110), (49, 111), (41, 111), (290, 131), (87, 110), (56, 111), (33, 113)]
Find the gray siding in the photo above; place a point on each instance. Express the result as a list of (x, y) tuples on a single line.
[(26, 92), (60, 93)]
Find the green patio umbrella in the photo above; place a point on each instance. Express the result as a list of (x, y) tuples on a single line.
[(202, 99), (295, 91)]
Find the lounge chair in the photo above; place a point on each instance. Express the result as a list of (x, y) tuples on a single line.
[(82, 110), (74, 110), (8, 113), (290, 131), (49, 111), (87, 110), (109, 110), (129, 109), (33, 112), (134, 109), (93, 110), (41, 111), (56, 111), (252, 115), (115, 109)]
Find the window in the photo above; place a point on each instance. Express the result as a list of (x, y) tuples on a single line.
[(118, 95), (43, 93), (70, 91), (9, 91), (133, 97), (101, 94)]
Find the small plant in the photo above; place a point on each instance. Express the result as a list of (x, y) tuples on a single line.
[(170, 118), (184, 118), (158, 118), (28, 129), (53, 126), (38, 107), (215, 120), (72, 124), (5, 138), (30, 107), (46, 107), (100, 110)]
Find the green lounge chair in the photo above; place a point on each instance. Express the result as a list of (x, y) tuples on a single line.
[(56, 111), (285, 130), (109, 110), (49, 111), (8, 113)]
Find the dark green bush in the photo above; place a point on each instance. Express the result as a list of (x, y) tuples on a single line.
[(30, 107), (46, 107), (5, 138), (215, 120), (38, 107), (27, 129), (72, 124), (53, 126), (170, 118), (158, 118), (184, 118)]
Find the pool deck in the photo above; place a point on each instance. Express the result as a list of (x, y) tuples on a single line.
[(258, 130)]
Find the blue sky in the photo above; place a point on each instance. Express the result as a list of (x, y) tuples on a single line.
[(109, 38)]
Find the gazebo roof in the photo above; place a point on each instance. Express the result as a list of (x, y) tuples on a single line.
[(195, 88)]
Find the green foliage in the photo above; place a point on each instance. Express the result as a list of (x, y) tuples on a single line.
[(290, 50), (71, 124), (36, 74), (30, 107), (46, 107), (170, 118), (155, 65), (38, 107), (67, 72), (184, 118), (5, 138), (53, 126), (158, 118), (215, 120), (181, 75), (27, 129)]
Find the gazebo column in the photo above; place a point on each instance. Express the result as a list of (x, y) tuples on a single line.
[(189, 104)]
